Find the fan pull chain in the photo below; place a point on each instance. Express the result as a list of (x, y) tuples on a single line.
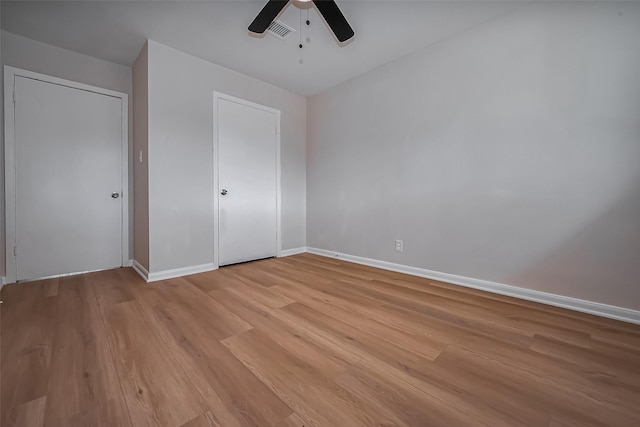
[(308, 39), (301, 60), (300, 30)]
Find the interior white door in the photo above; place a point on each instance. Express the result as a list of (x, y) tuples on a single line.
[(68, 157), (247, 171)]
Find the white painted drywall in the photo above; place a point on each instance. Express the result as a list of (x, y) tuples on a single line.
[(181, 155), (39, 57), (3, 231), (140, 72), (509, 153)]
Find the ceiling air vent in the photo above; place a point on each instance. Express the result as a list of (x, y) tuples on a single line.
[(280, 29)]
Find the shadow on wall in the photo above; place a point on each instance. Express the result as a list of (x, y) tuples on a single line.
[(600, 262)]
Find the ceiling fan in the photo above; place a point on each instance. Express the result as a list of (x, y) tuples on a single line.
[(327, 8)]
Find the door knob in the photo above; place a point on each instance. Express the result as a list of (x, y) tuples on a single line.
[(115, 195), (223, 192)]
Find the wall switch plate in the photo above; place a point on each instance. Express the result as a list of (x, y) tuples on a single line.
[(398, 245)]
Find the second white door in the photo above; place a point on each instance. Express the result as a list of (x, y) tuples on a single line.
[(247, 181)]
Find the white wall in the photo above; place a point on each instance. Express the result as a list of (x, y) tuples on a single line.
[(140, 73), (27, 54), (181, 155), (3, 231), (510, 153)]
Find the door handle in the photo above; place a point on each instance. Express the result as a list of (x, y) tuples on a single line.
[(115, 195), (223, 192)]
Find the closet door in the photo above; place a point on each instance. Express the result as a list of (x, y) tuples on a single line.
[(247, 181), (68, 189)]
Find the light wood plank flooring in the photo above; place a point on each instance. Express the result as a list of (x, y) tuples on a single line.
[(306, 341)]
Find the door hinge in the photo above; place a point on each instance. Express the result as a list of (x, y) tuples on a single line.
[(15, 251), (14, 96)]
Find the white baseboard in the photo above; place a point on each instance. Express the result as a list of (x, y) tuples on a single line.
[(294, 251), (598, 309), (3, 281), (170, 274), (138, 268)]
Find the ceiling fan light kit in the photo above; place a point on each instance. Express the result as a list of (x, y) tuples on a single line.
[(328, 9)]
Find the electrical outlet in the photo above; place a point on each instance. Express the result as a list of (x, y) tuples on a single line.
[(398, 245)]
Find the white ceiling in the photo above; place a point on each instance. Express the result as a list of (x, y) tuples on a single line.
[(217, 31)]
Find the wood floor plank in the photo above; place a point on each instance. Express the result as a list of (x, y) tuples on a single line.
[(498, 302), (154, 384), (404, 404), (622, 338), (288, 387), (233, 394), (444, 309), (442, 323), (545, 391), (617, 354), (418, 344), (298, 275), (212, 280), (180, 296), (26, 356), (363, 346), (420, 368), (509, 306), (498, 313), (263, 295), (52, 288), (561, 421), (204, 420), (592, 384), (623, 372), (294, 420), (305, 341), (406, 320), (82, 370), (31, 414), (259, 316), (104, 413), (306, 388), (17, 304), (254, 272), (366, 339)]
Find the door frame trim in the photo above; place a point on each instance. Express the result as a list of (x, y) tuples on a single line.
[(216, 185), (10, 74)]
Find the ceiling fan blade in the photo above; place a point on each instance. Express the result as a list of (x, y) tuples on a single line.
[(267, 15), (335, 19)]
